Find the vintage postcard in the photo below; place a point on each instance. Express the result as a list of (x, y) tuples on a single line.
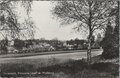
[(59, 38)]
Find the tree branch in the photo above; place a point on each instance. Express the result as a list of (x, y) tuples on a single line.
[(79, 14), (99, 25), (100, 14)]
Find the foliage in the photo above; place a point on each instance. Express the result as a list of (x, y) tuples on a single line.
[(110, 42), (9, 18), (3, 46), (18, 44), (87, 14)]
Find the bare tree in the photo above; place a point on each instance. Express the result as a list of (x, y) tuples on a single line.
[(91, 15), (9, 20)]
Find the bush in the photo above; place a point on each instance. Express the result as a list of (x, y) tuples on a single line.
[(110, 42)]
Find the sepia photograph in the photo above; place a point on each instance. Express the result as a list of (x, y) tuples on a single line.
[(59, 38)]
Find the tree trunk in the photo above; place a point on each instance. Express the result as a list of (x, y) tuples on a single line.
[(89, 51), (90, 34)]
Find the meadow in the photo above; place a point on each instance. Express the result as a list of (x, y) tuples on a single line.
[(58, 67)]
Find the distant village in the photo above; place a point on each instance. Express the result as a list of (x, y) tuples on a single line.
[(42, 45)]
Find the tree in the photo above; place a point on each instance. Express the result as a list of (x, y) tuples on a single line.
[(98, 41), (10, 27), (9, 19), (107, 42), (99, 37), (110, 42), (115, 12), (19, 44), (88, 14), (110, 47), (3, 45)]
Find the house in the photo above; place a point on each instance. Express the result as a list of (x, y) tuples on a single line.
[(51, 48), (70, 47)]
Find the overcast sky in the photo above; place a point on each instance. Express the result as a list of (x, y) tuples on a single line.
[(48, 27)]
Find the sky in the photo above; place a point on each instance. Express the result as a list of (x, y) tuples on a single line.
[(49, 28)]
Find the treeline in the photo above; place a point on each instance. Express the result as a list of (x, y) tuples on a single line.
[(38, 45)]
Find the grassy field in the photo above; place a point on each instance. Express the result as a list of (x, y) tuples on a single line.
[(38, 58), (42, 53), (53, 67)]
